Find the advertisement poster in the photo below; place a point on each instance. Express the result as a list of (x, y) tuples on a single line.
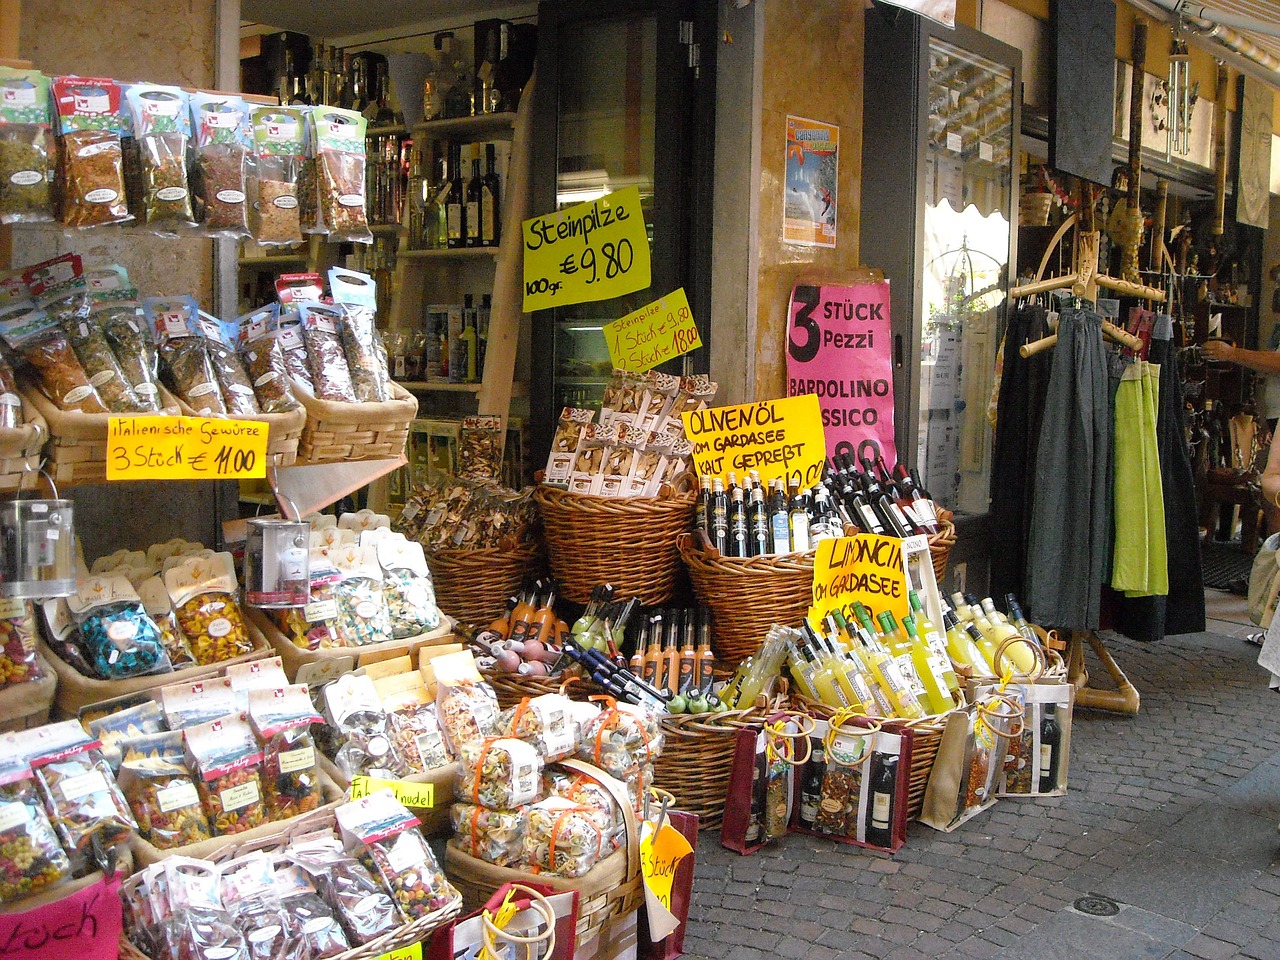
[(839, 347), (810, 205)]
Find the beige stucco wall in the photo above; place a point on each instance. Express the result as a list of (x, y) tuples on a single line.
[(161, 41), (812, 68)]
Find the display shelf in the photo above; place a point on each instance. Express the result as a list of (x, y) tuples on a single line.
[(444, 386), (384, 229), (386, 130), (456, 126), (268, 263), (450, 253)]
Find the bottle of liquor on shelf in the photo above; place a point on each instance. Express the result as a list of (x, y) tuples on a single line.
[(718, 517), (455, 203), (815, 772), (757, 519), (797, 521), (1050, 748), (468, 336), (435, 193), (702, 507), (895, 524), (491, 200), (824, 524), (475, 198), (779, 520), (482, 329), (738, 531)]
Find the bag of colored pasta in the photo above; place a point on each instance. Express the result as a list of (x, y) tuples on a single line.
[(500, 773), (30, 856), (226, 756), (79, 791), (119, 638), (282, 718), (162, 792), (204, 593)]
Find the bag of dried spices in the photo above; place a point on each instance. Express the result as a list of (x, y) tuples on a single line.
[(204, 593), (326, 359), (228, 760), (357, 296), (162, 127), (90, 159), (30, 855), (37, 338), (384, 836), (339, 175), (233, 381), (282, 718), (256, 339), (79, 791), (222, 134), (127, 332), (24, 147), (175, 323), (118, 637), (162, 792), (279, 148), (74, 313)]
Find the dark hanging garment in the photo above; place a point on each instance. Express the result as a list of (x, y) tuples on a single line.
[(1019, 413), (1182, 611)]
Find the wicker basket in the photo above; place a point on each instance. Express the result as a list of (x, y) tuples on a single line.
[(284, 431), (337, 432), (26, 705), (473, 585), (940, 545), (76, 451), (612, 889), (747, 596), (696, 760), (20, 448), (927, 738), (75, 690), (296, 659), (629, 542)]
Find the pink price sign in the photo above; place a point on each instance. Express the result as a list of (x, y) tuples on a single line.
[(839, 347)]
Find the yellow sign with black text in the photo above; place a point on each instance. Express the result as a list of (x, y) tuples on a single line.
[(185, 448), (412, 952), (591, 251), (654, 334), (781, 439), (660, 856), (867, 569), (418, 796)]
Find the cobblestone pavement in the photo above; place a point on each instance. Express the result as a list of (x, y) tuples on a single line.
[(1171, 813)]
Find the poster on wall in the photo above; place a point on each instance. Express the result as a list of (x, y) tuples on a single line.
[(1253, 171), (809, 205), (939, 11), (839, 347)]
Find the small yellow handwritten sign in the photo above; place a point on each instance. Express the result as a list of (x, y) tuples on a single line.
[(591, 251), (185, 448), (780, 439), (417, 796), (867, 569), (653, 334), (660, 857), (412, 952)]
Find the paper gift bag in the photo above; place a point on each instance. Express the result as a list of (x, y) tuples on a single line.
[(1036, 760), (970, 759), (763, 775), (854, 786), (464, 939), (672, 946)]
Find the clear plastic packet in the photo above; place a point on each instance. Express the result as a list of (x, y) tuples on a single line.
[(176, 324), (155, 600), (10, 401), (407, 586), (282, 718), (203, 593), (313, 919), (30, 855), (79, 791), (162, 128), (91, 159), (263, 359), (468, 711), (234, 383), (228, 761), (313, 627), (621, 740), (18, 631), (480, 448), (118, 637), (358, 900), (74, 313), (585, 793), (24, 147), (279, 146), (130, 340), (59, 631), (384, 836), (545, 723), (338, 173), (326, 360), (500, 773), (162, 792), (222, 132), (293, 346), (362, 616), (194, 702), (495, 836), (563, 839), (356, 295), (198, 926), (354, 710), (415, 731), (115, 730), (38, 340)]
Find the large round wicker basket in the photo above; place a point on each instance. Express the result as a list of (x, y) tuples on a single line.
[(473, 585), (696, 760), (940, 545), (629, 542), (748, 595)]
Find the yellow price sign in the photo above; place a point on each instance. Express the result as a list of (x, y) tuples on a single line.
[(661, 854), (781, 439), (653, 334), (418, 796), (867, 569), (591, 251), (412, 952), (185, 448)]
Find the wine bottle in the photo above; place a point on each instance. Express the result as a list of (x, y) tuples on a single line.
[(757, 523), (921, 508), (797, 521), (719, 517), (1050, 746), (815, 772), (455, 202), (702, 509), (475, 197), (895, 524), (880, 809), (779, 520), (435, 218), (825, 525), (737, 524), (490, 226)]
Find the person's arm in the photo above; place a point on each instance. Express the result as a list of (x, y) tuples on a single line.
[(1264, 361)]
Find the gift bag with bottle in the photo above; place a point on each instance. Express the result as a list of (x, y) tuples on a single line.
[(853, 787), (967, 769), (763, 780), (1036, 759)]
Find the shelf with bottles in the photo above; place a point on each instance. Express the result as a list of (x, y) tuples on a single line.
[(457, 127), (447, 253), (455, 195)]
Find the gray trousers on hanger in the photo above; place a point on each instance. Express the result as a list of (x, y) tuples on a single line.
[(1068, 555)]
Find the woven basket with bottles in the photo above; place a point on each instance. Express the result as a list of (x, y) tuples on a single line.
[(748, 595), (940, 544), (629, 542)]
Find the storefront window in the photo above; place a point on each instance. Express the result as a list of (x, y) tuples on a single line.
[(965, 276)]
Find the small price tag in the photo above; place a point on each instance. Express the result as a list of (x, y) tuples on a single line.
[(411, 952), (653, 334), (954, 143), (413, 795), (986, 152), (185, 448)]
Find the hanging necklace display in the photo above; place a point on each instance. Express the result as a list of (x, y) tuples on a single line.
[(37, 547)]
